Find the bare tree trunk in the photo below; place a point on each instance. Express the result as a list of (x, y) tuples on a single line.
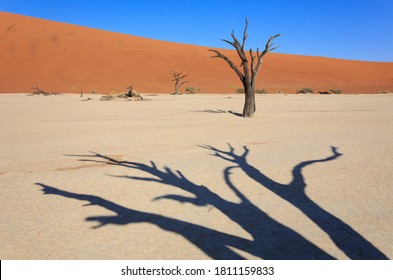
[(177, 86), (249, 101)]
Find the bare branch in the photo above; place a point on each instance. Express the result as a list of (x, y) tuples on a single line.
[(252, 61), (230, 62), (239, 48), (183, 83), (236, 42), (245, 34), (268, 48), (177, 76), (229, 42), (269, 44)]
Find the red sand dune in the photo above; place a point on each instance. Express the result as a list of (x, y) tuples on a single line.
[(68, 58)]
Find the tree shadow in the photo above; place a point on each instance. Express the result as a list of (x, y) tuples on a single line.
[(270, 238), (219, 111), (344, 236)]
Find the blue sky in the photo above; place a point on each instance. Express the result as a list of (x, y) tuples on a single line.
[(350, 29)]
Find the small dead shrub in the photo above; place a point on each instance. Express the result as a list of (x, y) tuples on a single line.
[(384, 91), (304, 90), (192, 90), (336, 90), (261, 91)]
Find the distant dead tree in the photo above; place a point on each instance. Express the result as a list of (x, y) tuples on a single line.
[(177, 77), (249, 74)]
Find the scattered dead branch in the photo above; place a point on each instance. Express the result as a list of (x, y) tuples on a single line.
[(131, 94), (107, 97), (38, 91)]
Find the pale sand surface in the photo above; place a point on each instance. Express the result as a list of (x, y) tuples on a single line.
[(117, 204)]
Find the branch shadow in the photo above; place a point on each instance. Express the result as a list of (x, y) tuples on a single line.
[(212, 242), (219, 111), (270, 238), (344, 236)]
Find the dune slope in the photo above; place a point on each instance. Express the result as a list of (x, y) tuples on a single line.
[(68, 58)]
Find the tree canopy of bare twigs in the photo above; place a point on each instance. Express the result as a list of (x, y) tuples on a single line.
[(177, 77), (250, 65)]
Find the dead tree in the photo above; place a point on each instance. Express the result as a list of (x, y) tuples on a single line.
[(177, 78), (250, 71)]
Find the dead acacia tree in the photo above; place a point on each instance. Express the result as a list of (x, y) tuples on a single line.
[(250, 71), (177, 77)]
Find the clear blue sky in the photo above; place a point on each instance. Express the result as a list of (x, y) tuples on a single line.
[(351, 29)]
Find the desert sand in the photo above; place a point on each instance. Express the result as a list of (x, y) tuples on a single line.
[(69, 58), (183, 177)]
